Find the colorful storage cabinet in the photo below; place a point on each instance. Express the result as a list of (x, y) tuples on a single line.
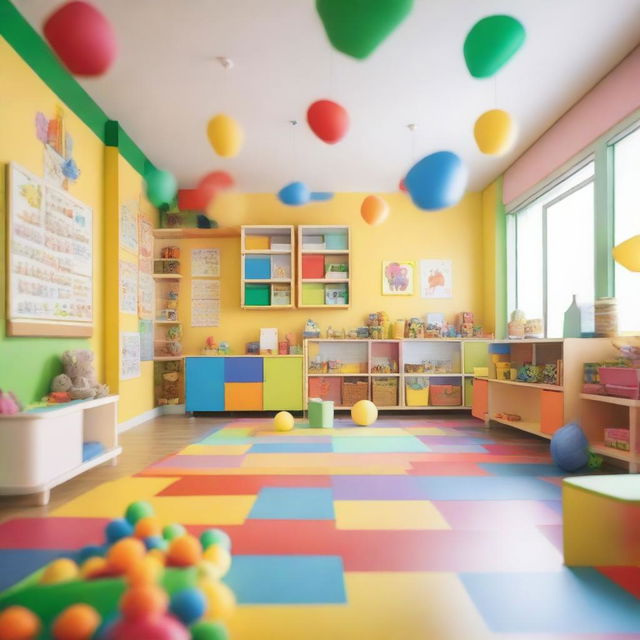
[(228, 383)]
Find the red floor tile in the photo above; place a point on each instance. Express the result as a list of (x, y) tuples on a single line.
[(238, 485), (51, 533)]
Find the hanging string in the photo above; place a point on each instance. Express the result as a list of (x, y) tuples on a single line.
[(495, 91)]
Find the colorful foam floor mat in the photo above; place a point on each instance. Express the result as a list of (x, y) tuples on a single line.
[(429, 529)]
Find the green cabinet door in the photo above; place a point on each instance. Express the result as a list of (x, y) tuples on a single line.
[(282, 390)]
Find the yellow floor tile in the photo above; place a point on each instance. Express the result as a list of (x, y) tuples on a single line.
[(381, 606), (215, 450), (387, 470), (428, 431), (203, 509), (388, 514)]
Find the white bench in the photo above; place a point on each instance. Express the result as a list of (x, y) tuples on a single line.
[(41, 449)]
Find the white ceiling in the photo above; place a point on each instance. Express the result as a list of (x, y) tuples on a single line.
[(166, 84)]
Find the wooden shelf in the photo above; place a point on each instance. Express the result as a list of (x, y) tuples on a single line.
[(267, 308), (265, 252), (337, 375), (625, 402), (612, 452), (529, 427), (432, 375), (194, 233), (323, 306), (167, 358), (167, 276), (533, 385), (327, 252), (325, 280), (384, 375), (167, 322)]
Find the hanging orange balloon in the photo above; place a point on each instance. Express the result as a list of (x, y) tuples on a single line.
[(374, 210), (225, 135)]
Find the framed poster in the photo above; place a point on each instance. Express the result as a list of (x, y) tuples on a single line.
[(129, 355), (49, 259), (397, 278), (435, 279), (205, 263), (128, 287), (129, 226)]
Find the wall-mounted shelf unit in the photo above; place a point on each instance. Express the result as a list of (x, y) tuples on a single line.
[(267, 267), (324, 267), (183, 233), (423, 374)]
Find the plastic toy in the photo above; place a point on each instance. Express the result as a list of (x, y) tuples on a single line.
[(320, 413), (374, 210), (219, 558), (147, 527), (184, 551), (328, 120), (82, 37), (225, 135), (494, 132), (437, 181), (364, 413), (8, 403), (358, 28), (221, 601), (172, 531), (123, 554), (627, 253), (311, 329), (77, 622), (188, 605), (143, 601), (18, 622), (161, 187), (205, 630), (138, 510), (215, 536), (570, 448), (60, 570), (491, 43), (283, 421)]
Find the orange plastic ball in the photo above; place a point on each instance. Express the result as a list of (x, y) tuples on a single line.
[(157, 554), (185, 551), (148, 527), (147, 571), (125, 553), (18, 623), (60, 570), (78, 622), (221, 602), (93, 566), (143, 601)]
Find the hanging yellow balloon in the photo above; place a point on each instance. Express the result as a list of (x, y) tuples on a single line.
[(627, 253), (494, 132), (225, 135), (374, 210)]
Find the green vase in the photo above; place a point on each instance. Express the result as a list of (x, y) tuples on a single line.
[(572, 325)]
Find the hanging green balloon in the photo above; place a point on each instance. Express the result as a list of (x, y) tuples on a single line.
[(491, 43), (357, 27), (161, 187)]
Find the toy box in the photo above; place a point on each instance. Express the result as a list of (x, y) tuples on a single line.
[(416, 394), (617, 438), (623, 382), (445, 395), (384, 392)]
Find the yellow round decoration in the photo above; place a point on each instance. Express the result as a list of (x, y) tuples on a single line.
[(283, 421), (627, 253), (60, 570), (494, 132), (364, 413), (225, 135)]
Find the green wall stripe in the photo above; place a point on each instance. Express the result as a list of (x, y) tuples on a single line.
[(30, 46)]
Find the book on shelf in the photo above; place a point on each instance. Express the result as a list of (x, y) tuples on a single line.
[(335, 294), (280, 295), (280, 243), (313, 243)]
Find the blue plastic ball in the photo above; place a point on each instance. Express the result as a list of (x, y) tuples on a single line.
[(437, 181), (89, 551), (155, 542), (118, 529), (570, 447), (188, 605), (294, 194)]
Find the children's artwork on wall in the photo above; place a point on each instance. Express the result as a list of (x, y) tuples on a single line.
[(205, 289), (129, 355), (436, 279), (205, 313), (205, 263), (397, 278), (145, 329), (146, 239), (145, 295), (129, 226), (59, 165), (128, 287)]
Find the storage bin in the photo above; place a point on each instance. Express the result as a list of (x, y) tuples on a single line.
[(325, 389), (336, 241), (445, 395), (257, 295), (313, 267), (353, 391), (280, 243), (257, 243), (384, 392), (257, 268), (313, 293), (416, 397), (623, 382)]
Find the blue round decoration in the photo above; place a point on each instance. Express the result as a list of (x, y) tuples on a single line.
[(437, 181), (188, 605), (118, 529), (570, 447), (294, 194)]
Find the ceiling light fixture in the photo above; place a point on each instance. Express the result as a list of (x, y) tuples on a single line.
[(226, 63)]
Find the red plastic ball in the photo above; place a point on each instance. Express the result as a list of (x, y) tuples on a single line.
[(328, 120), (158, 628), (18, 623), (82, 38)]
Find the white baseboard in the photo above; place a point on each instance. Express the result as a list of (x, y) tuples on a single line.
[(172, 409), (156, 412)]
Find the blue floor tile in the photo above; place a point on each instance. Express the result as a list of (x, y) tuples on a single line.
[(292, 447), (548, 470), (280, 503), (488, 488), (378, 444), (17, 564)]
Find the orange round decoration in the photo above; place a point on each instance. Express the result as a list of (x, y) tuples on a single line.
[(374, 210)]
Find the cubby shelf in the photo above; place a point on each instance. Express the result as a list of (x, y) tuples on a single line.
[(167, 276), (183, 233), (532, 385)]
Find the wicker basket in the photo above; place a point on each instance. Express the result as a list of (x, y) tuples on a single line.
[(385, 392), (353, 391)]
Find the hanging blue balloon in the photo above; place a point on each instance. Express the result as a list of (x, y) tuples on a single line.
[(437, 181), (321, 196), (294, 194)]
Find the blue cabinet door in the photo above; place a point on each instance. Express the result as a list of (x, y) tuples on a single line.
[(243, 369), (204, 384)]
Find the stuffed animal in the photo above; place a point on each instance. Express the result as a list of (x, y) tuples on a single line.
[(8, 403), (78, 366), (60, 389)]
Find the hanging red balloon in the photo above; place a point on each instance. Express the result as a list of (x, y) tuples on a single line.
[(402, 186), (328, 120), (212, 183), (82, 37)]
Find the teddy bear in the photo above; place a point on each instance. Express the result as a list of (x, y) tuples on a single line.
[(78, 366), (60, 389)]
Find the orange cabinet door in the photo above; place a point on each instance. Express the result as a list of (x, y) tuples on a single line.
[(480, 406), (551, 411), (243, 396)]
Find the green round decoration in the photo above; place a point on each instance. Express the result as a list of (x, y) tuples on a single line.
[(356, 28), (208, 631), (215, 536), (161, 187), (138, 510), (174, 530), (491, 43)]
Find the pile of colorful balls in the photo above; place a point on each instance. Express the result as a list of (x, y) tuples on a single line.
[(146, 581)]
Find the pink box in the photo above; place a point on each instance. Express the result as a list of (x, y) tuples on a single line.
[(623, 382), (594, 388)]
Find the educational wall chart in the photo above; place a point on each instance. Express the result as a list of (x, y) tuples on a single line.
[(128, 287), (205, 263), (145, 269), (145, 329), (50, 254), (129, 226), (436, 279), (129, 355), (205, 303)]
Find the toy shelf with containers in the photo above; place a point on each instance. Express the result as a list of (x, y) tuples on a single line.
[(267, 269), (418, 374), (324, 267)]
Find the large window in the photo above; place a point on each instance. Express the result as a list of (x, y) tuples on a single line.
[(550, 252), (626, 194)]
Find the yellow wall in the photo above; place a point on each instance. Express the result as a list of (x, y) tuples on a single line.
[(27, 364), (408, 234), (489, 196)]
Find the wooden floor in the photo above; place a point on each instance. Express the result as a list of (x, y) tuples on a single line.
[(141, 446)]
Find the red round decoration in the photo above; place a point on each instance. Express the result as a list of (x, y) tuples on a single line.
[(328, 120), (82, 38), (402, 186), (210, 185)]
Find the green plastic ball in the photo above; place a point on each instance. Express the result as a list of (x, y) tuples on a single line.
[(215, 536), (174, 530), (208, 631), (138, 510)]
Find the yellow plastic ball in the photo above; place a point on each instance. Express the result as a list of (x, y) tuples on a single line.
[(283, 421), (494, 132), (221, 602), (219, 557), (364, 413), (93, 566), (60, 570)]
